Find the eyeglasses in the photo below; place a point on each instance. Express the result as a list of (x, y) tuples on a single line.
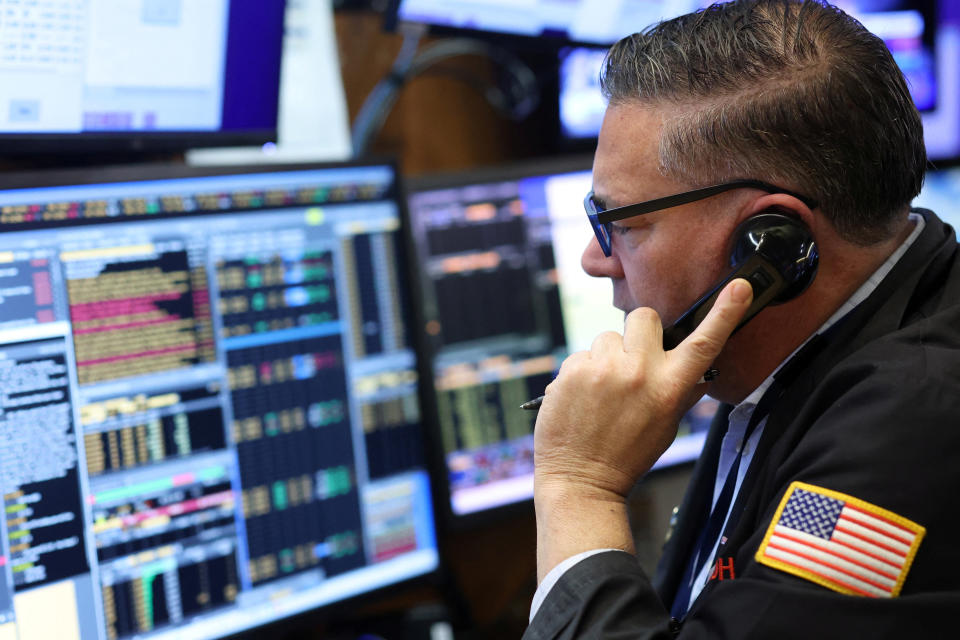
[(601, 220)]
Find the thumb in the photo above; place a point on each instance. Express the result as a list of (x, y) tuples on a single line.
[(697, 352)]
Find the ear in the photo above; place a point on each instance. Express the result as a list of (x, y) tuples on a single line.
[(781, 203)]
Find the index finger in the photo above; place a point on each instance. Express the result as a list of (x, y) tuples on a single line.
[(697, 352), (642, 330)]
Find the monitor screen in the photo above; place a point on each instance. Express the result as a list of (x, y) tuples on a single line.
[(138, 74), (941, 193), (586, 21), (580, 102), (505, 302), (925, 43), (313, 124), (210, 415)]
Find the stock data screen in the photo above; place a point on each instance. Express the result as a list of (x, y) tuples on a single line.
[(505, 302), (210, 417)]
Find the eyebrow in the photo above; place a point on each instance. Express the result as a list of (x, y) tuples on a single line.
[(600, 202)]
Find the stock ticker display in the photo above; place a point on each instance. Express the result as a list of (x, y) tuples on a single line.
[(505, 302), (209, 417)]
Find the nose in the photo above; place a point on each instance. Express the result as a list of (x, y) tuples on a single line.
[(598, 265)]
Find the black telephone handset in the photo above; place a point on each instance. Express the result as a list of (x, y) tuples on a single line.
[(775, 253)]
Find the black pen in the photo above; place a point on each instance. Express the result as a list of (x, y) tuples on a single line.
[(533, 405)]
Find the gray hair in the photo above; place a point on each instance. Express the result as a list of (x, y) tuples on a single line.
[(793, 92)]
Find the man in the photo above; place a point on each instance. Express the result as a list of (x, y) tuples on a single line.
[(825, 504)]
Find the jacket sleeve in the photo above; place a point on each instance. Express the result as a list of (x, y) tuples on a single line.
[(604, 596)]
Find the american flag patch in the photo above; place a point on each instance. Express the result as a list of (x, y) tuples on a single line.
[(840, 542)]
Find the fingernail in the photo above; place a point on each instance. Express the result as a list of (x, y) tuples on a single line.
[(740, 292)]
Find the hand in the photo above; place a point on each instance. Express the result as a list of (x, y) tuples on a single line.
[(612, 411), (608, 416)]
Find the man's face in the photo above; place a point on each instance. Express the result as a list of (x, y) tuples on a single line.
[(667, 259)]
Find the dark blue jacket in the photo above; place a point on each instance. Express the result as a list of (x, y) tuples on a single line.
[(875, 415)]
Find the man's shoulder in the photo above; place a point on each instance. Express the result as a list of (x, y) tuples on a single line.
[(908, 376), (901, 347), (922, 356), (889, 403)]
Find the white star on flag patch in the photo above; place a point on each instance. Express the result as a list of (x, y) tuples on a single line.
[(840, 542)]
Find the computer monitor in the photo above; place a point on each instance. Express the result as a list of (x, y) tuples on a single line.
[(133, 76), (210, 400), (505, 301), (923, 37), (580, 101), (584, 21), (313, 124)]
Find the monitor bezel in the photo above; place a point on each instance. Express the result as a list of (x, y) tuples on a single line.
[(145, 172), (132, 142)]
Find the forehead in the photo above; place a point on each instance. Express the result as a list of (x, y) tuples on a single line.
[(626, 166)]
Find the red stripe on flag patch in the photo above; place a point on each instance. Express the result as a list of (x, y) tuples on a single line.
[(847, 557), (895, 567), (905, 535), (830, 565), (868, 541)]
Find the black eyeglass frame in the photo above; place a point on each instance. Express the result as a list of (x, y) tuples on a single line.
[(601, 220)]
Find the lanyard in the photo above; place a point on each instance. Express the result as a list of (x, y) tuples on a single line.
[(711, 530)]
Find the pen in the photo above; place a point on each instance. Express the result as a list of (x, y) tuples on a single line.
[(533, 405)]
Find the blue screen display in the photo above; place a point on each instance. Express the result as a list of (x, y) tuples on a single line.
[(155, 66)]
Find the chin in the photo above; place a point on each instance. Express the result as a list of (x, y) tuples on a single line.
[(626, 309), (728, 387)]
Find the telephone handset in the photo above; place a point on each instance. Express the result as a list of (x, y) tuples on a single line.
[(775, 253)]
